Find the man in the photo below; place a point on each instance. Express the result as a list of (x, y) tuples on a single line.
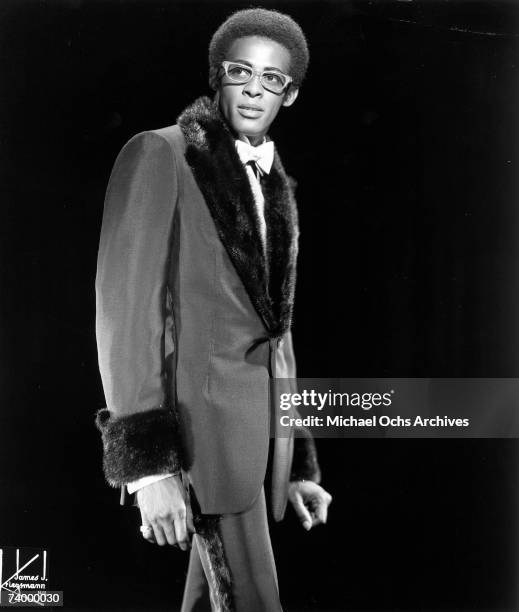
[(195, 287)]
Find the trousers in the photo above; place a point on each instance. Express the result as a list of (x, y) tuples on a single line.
[(231, 565)]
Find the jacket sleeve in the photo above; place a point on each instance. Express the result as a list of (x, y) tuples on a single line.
[(139, 427), (304, 463)]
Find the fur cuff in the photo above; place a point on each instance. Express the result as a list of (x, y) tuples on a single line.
[(304, 463), (138, 445)]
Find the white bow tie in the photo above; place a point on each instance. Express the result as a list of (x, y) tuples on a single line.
[(262, 155)]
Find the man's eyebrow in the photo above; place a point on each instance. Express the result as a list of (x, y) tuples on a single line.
[(247, 63)]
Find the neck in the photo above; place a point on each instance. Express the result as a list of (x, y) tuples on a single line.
[(252, 140)]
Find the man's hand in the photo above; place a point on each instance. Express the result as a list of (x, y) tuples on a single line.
[(165, 507), (310, 502)]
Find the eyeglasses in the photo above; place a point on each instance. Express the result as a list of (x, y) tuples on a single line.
[(271, 80)]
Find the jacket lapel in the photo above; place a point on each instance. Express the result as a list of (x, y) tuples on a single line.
[(222, 179), (282, 240)]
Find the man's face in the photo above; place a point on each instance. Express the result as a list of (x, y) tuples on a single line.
[(250, 109)]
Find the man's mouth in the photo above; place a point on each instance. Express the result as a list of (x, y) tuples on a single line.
[(249, 111)]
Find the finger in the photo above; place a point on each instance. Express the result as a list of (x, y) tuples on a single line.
[(169, 530), (320, 513), (150, 537), (159, 533), (147, 534), (302, 512), (181, 530), (189, 520)]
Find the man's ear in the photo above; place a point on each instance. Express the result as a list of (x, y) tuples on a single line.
[(290, 96)]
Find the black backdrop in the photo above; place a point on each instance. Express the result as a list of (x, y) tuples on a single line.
[(404, 145)]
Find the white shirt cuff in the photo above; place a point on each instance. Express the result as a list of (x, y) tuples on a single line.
[(143, 482)]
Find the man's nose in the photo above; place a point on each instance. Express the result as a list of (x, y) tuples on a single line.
[(254, 88)]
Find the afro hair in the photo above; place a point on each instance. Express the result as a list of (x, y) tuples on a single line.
[(266, 24)]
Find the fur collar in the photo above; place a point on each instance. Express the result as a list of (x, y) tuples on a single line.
[(222, 179)]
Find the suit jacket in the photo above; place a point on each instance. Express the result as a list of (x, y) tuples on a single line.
[(193, 315)]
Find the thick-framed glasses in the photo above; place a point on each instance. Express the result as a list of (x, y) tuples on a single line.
[(271, 80)]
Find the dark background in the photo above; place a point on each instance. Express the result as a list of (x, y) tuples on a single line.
[(404, 145)]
